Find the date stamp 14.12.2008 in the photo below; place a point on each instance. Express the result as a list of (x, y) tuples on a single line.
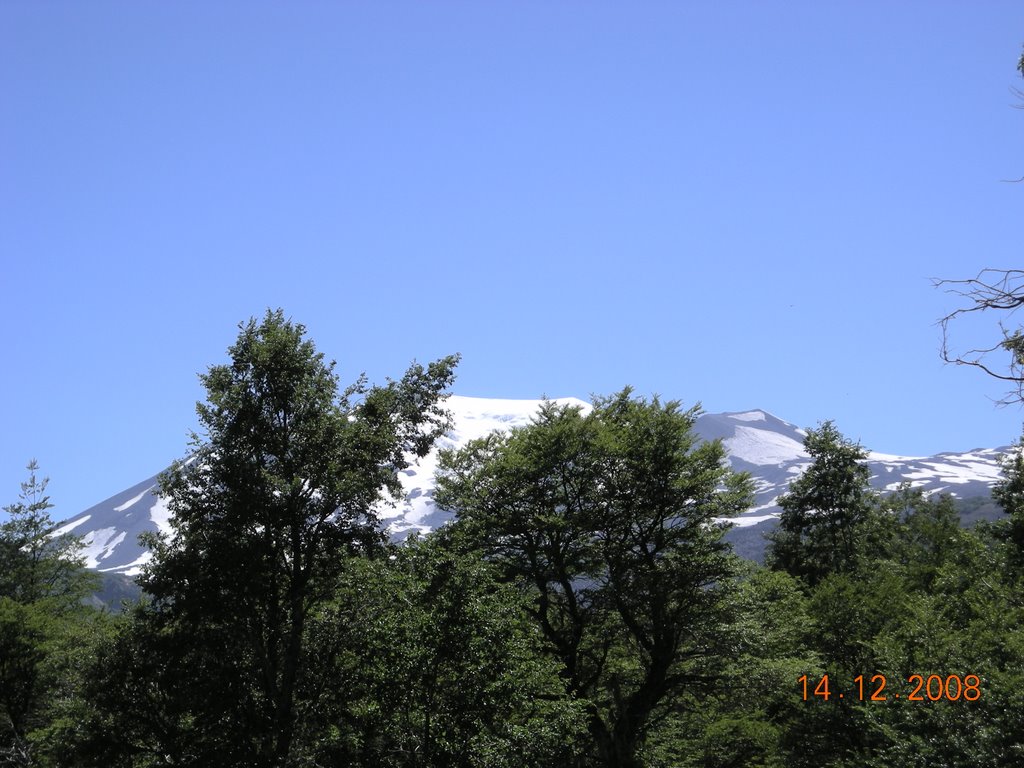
[(878, 688)]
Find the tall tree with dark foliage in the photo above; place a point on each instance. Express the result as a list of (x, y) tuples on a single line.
[(611, 521), (277, 498)]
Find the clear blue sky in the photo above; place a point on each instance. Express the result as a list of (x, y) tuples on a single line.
[(738, 203)]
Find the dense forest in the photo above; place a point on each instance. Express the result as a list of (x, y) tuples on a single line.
[(582, 609)]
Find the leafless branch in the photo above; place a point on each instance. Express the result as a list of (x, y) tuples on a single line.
[(999, 291)]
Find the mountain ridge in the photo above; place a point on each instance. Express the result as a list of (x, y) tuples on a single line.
[(756, 441)]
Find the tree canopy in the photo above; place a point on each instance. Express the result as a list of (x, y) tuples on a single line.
[(613, 521), (582, 610), (822, 525), (42, 585), (279, 493)]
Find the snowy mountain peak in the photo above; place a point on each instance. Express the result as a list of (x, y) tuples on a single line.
[(755, 438)]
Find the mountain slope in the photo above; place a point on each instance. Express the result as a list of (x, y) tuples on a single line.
[(767, 447)]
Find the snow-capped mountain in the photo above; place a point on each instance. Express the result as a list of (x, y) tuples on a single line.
[(767, 447)]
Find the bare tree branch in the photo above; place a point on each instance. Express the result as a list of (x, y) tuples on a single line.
[(993, 290)]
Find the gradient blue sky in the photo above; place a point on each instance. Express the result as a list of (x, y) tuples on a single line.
[(737, 203)]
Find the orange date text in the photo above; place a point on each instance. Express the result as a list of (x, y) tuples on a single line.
[(880, 688)]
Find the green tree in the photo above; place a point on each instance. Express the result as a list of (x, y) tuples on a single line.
[(23, 635), (823, 524), (42, 586), (438, 665), (276, 499), (611, 520), (744, 720), (1008, 493), (964, 619), (927, 537), (36, 563)]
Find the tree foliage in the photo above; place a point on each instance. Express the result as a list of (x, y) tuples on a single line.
[(439, 666), (278, 496), (37, 563), (823, 524), (1009, 494), (611, 520), (583, 610), (42, 620)]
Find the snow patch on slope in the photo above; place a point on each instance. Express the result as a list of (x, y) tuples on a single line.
[(160, 514), (134, 568), (70, 526), (131, 502), (748, 416), (100, 544), (760, 446), (473, 418), (891, 458), (748, 520)]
